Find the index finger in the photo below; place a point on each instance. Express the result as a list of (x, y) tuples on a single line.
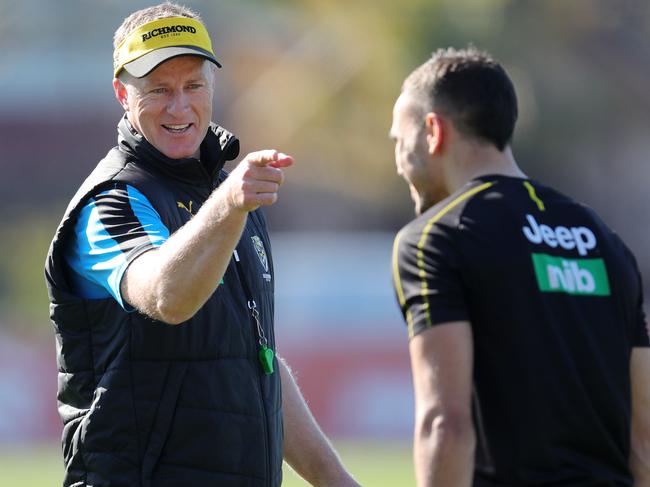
[(265, 157), (283, 160)]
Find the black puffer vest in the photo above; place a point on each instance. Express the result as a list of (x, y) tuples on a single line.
[(149, 404)]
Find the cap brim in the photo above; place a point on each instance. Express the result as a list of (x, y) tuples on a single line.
[(145, 64)]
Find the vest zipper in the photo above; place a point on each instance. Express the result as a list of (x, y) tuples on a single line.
[(249, 298), (260, 378), (267, 460), (214, 182)]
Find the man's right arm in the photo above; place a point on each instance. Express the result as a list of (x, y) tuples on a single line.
[(640, 441), (170, 283), (430, 292), (444, 439)]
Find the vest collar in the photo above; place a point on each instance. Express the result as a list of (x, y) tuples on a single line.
[(218, 147)]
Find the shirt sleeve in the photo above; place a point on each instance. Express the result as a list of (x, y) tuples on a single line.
[(113, 228), (427, 279)]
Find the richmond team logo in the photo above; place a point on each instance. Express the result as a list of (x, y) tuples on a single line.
[(166, 31), (261, 253)]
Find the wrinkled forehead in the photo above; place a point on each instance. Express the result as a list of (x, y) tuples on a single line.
[(181, 68)]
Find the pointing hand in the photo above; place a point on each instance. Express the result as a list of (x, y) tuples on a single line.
[(257, 179)]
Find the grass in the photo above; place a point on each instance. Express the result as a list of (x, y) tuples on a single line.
[(372, 463), (31, 466)]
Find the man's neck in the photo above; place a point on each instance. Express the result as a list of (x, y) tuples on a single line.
[(478, 161)]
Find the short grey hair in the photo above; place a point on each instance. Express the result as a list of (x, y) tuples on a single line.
[(149, 14)]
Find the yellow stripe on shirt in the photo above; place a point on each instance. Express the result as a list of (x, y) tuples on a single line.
[(533, 196), (398, 282), (424, 290)]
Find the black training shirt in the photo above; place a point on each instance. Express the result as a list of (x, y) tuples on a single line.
[(554, 300)]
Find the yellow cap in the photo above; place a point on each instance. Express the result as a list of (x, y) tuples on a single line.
[(157, 41)]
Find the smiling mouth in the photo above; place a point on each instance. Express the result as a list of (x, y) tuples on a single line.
[(177, 129)]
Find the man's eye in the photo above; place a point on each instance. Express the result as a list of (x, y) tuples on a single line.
[(158, 90)]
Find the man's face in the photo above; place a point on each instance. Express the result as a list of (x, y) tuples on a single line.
[(172, 106), (412, 158)]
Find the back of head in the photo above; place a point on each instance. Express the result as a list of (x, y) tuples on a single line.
[(149, 14), (471, 89)]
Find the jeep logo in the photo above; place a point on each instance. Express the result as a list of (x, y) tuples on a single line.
[(580, 238)]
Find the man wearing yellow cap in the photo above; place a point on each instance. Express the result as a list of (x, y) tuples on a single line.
[(161, 286)]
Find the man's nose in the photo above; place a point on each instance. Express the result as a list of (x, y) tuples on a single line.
[(398, 167), (178, 102)]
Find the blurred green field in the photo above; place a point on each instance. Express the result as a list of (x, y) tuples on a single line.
[(372, 463)]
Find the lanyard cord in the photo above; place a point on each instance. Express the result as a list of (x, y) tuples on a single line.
[(265, 354)]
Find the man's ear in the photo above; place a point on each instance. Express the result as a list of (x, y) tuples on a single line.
[(121, 93), (435, 131)]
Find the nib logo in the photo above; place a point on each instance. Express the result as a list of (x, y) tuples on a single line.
[(586, 277)]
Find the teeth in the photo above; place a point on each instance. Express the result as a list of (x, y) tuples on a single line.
[(177, 127)]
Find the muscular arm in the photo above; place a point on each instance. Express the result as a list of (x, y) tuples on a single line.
[(306, 449), (441, 360), (172, 282), (640, 441)]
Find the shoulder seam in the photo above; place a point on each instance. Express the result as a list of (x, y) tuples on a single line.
[(452, 204), (424, 289)]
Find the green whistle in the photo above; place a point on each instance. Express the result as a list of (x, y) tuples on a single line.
[(266, 359)]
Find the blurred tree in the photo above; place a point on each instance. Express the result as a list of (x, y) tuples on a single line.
[(23, 249)]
